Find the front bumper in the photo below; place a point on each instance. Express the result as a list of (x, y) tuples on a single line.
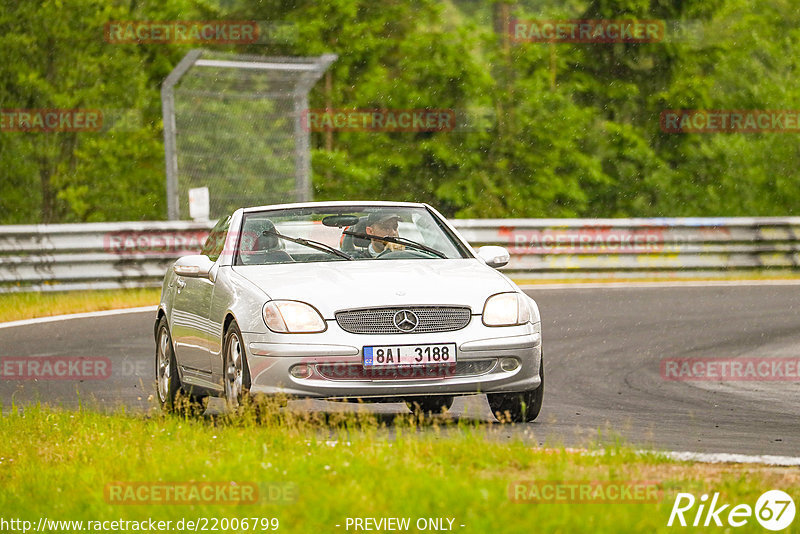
[(334, 359)]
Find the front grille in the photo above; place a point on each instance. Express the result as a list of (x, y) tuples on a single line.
[(381, 320), (356, 371)]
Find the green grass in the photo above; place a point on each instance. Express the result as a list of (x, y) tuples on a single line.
[(56, 463), (17, 306)]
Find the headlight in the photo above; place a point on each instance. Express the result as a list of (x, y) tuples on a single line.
[(292, 317), (506, 309)]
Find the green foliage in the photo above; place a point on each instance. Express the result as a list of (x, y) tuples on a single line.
[(55, 57), (546, 130)]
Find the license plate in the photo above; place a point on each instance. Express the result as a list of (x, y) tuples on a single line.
[(397, 355)]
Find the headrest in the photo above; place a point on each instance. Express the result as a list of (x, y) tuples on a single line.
[(254, 235), (361, 228)]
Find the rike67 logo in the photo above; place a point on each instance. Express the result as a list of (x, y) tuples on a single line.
[(774, 510)]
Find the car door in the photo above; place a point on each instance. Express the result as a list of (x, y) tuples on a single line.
[(192, 328)]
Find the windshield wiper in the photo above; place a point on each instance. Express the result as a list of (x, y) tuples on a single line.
[(311, 244), (399, 241)]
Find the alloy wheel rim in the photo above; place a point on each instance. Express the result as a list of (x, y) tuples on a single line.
[(164, 368), (233, 371)]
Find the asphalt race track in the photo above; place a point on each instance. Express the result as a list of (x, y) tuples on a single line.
[(603, 349)]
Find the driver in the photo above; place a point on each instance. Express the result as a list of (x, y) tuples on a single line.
[(384, 225)]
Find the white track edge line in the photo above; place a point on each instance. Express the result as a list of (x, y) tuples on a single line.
[(703, 457), (86, 315), (692, 283), (724, 457)]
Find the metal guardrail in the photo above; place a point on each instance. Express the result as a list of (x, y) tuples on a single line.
[(137, 254), (586, 248), (94, 255)]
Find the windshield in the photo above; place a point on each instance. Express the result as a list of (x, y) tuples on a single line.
[(345, 233)]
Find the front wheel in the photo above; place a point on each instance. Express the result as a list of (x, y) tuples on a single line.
[(522, 407), (168, 384), (236, 374), (430, 405)]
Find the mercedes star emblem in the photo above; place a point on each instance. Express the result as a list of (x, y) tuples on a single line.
[(406, 320)]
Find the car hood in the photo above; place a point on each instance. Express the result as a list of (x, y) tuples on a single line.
[(333, 286)]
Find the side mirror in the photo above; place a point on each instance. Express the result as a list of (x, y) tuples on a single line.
[(197, 266), (494, 256)]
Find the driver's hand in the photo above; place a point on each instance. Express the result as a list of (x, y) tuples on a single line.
[(395, 246)]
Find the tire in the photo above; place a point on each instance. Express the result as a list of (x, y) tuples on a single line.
[(235, 371), (173, 396), (168, 384), (522, 407), (429, 405), (197, 399)]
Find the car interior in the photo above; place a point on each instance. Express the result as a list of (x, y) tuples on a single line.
[(259, 246), (355, 244)]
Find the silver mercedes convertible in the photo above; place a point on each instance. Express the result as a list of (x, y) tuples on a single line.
[(379, 301)]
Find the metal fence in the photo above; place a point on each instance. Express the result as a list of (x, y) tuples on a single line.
[(111, 255), (234, 123)]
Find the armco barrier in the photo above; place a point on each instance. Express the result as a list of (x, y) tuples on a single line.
[(565, 248), (110, 255), (94, 255)]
